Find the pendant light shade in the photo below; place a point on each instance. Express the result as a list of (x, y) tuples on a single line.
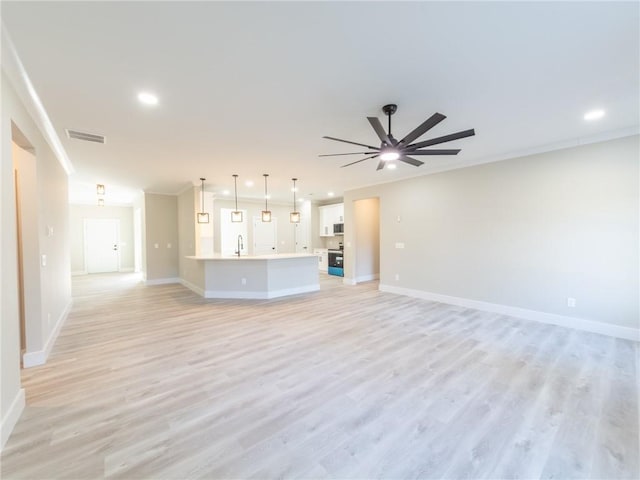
[(294, 217), (266, 213), (203, 217), (236, 215)]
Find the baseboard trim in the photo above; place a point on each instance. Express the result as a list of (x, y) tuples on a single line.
[(162, 281), (39, 357), (239, 294), (11, 418), (77, 273), (367, 278), (535, 315), (126, 270), (194, 288)]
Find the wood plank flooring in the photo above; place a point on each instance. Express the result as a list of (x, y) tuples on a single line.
[(348, 382)]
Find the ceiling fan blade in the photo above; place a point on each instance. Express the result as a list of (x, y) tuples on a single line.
[(339, 154), (451, 151), (352, 143), (381, 164), (377, 126), (358, 161), (410, 161), (428, 124), (446, 138)]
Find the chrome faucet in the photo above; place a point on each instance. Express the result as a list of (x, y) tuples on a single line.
[(240, 245)]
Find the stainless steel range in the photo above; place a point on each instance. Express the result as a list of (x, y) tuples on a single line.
[(335, 263)]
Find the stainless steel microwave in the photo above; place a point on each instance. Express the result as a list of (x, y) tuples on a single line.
[(338, 228)]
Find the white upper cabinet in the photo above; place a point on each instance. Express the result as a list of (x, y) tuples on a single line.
[(330, 214)]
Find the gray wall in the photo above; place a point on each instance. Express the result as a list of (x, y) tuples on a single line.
[(191, 271), (54, 278), (527, 232), (161, 229), (77, 215)]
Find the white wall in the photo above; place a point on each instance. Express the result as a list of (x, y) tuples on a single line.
[(77, 216), (55, 284), (527, 232)]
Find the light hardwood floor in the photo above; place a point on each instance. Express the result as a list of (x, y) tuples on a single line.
[(349, 382)]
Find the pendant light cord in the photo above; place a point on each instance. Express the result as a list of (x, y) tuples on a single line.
[(202, 193), (235, 189), (265, 190)]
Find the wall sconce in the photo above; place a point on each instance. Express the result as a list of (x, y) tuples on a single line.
[(203, 217), (101, 202), (266, 213), (294, 217), (236, 216), (100, 189)]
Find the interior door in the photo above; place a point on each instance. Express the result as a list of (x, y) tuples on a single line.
[(265, 239), (102, 243)]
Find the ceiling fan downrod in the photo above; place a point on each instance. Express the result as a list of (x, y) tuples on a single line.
[(389, 110)]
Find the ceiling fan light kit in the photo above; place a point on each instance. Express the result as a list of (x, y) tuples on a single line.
[(391, 149)]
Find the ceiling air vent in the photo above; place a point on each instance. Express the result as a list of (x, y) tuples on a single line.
[(87, 137)]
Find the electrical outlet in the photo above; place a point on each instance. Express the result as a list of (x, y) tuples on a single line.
[(399, 245), (244, 281), (397, 277), (571, 302)]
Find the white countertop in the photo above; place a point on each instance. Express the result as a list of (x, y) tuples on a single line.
[(273, 256)]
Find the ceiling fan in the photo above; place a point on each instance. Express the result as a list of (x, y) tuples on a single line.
[(391, 149)]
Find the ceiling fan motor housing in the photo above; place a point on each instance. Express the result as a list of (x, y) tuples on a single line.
[(390, 109)]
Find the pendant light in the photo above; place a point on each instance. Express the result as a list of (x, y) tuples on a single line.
[(294, 217), (236, 216), (203, 217), (266, 213)]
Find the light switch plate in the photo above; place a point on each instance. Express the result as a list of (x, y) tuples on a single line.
[(399, 245)]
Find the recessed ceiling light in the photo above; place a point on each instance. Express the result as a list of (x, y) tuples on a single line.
[(147, 98), (330, 194), (594, 115), (391, 166), (248, 183), (226, 192)]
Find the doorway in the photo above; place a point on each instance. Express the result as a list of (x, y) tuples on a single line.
[(102, 245), (366, 213), (265, 236), (29, 258)]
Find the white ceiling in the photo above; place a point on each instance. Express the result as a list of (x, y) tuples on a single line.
[(250, 88)]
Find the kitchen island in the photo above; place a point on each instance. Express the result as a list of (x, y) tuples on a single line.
[(257, 277)]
